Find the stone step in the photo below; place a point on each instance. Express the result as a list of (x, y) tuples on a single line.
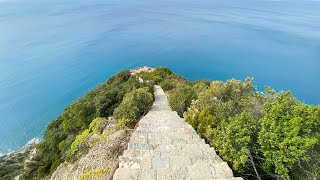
[(221, 169), (202, 170), (164, 147), (141, 162), (161, 174), (156, 160), (160, 128), (134, 174), (165, 140), (135, 153), (139, 146)]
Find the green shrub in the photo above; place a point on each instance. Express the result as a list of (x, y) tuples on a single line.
[(86, 140), (156, 77), (180, 98), (134, 104), (81, 144), (97, 125), (61, 133), (162, 72), (235, 139), (96, 174), (200, 86), (173, 81), (120, 77), (270, 135), (286, 133)]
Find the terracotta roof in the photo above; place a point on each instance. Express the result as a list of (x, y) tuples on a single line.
[(141, 69)]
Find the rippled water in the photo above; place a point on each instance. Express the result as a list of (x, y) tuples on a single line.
[(52, 52)]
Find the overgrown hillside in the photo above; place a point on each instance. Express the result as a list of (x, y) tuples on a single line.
[(68, 137), (262, 135)]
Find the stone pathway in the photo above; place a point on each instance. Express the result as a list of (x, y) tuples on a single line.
[(165, 147)]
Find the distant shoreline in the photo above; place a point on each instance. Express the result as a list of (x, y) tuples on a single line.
[(29, 144)]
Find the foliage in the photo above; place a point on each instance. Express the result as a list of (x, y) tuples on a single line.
[(262, 135), (286, 133), (96, 174), (162, 72), (155, 77), (267, 135), (62, 132), (173, 81), (13, 164), (81, 144), (235, 139), (200, 86), (134, 104), (180, 98), (97, 125), (87, 139)]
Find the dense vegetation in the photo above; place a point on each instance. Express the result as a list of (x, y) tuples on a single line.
[(269, 135), (13, 164), (87, 139), (70, 135), (134, 104), (262, 135)]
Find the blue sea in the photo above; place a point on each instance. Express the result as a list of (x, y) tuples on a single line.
[(53, 51)]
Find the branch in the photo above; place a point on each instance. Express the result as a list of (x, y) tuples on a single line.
[(254, 167)]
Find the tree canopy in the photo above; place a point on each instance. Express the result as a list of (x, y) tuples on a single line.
[(262, 135)]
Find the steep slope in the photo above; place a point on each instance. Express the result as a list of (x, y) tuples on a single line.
[(165, 147), (101, 159)]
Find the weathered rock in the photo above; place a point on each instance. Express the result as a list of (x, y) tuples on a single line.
[(99, 162), (165, 147)]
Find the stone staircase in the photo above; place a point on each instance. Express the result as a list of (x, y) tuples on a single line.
[(164, 147)]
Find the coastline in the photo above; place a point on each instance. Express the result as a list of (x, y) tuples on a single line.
[(14, 164), (29, 144)]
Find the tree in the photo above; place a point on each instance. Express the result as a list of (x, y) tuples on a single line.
[(285, 134), (200, 86), (62, 132), (97, 125), (235, 139), (81, 144), (134, 105), (162, 72), (181, 98)]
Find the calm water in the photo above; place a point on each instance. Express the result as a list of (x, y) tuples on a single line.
[(52, 52)]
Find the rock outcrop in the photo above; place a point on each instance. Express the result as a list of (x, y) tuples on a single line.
[(165, 147), (101, 160)]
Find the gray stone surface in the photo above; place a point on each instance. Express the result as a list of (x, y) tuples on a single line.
[(102, 156), (164, 147)]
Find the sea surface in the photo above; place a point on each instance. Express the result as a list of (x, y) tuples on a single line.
[(53, 51)]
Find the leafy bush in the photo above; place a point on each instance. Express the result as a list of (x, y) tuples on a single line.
[(162, 72), (81, 144), (13, 164), (173, 81), (262, 135), (97, 125), (96, 173), (155, 77), (286, 133), (134, 104), (200, 86), (234, 140), (61, 133), (181, 98), (87, 139)]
